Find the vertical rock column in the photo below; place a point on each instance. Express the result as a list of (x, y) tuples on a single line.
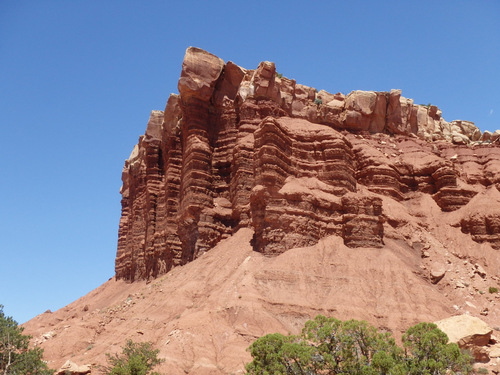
[(225, 131), (123, 258), (142, 177), (166, 242), (200, 72), (258, 96), (273, 150), (154, 179)]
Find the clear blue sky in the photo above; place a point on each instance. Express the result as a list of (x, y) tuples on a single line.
[(78, 80)]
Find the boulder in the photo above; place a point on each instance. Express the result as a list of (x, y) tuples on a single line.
[(469, 333), (437, 273), (486, 136), (264, 82), (480, 270), (495, 136), (200, 71), (495, 351), (459, 138), (71, 368), (467, 128)]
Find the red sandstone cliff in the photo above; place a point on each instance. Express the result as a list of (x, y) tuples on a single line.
[(373, 208), (250, 148)]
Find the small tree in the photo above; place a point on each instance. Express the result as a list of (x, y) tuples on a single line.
[(428, 352), (15, 356), (351, 347), (136, 359), (279, 354), (329, 346)]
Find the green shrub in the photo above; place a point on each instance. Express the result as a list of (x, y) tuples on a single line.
[(15, 356), (492, 289), (429, 352), (136, 359), (331, 346)]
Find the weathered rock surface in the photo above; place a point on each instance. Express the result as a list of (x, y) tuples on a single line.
[(202, 316), (437, 273), (482, 223), (71, 368), (249, 148), (469, 333)]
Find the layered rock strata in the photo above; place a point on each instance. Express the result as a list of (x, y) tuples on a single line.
[(481, 221), (250, 148)]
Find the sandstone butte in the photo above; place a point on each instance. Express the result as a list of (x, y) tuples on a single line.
[(253, 203)]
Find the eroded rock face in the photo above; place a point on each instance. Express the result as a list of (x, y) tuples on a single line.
[(483, 228), (249, 148), (482, 223)]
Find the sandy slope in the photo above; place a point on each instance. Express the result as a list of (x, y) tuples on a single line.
[(203, 316)]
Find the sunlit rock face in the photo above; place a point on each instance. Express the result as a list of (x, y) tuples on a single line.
[(250, 148)]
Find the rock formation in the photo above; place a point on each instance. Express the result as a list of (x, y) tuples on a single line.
[(470, 333), (71, 368), (250, 148), (360, 206)]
